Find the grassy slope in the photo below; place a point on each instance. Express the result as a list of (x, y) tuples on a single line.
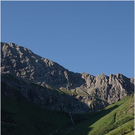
[(116, 119), (20, 118), (23, 118)]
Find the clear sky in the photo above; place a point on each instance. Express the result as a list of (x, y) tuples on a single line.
[(89, 37)]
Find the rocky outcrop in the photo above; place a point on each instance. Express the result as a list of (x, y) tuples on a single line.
[(82, 92)]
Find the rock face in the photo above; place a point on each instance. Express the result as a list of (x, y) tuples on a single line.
[(50, 85)]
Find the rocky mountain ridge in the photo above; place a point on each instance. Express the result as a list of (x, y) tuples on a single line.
[(82, 92)]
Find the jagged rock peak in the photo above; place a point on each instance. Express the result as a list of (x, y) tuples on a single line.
[(95, 92)]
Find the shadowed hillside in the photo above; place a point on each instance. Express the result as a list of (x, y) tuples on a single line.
[(20, 116)]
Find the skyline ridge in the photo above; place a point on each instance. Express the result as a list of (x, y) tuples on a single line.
[(65, 67)]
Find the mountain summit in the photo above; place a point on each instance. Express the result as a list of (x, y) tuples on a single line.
[(48, 84)]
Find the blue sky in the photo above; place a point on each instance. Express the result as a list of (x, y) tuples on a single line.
[(90, 37)]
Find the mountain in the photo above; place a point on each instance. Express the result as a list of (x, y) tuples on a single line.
[(50, 85)]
